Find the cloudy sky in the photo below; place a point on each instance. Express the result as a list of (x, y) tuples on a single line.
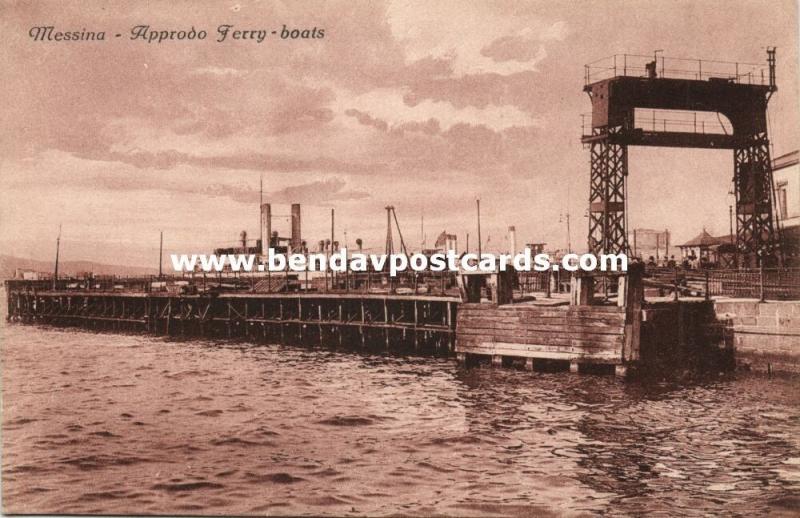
[(422, 105)]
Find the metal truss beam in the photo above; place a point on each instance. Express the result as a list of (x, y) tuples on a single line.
[(757, 238), (609, 172)]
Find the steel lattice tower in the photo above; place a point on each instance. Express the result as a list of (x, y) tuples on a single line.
[(739, 91), (609, 172)]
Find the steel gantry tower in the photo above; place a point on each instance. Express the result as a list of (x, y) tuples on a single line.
[(680, 94)]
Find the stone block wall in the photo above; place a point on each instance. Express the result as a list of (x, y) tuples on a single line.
[(765, 335)]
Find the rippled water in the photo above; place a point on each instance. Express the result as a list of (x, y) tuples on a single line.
[(96, 423)]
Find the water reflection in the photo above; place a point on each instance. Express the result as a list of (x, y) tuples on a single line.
[(130, 424)]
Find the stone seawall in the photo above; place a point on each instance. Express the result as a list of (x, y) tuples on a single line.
[(765, 335)]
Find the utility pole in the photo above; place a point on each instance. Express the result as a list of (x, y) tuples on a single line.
[(389, 245), (260, 203), (565, 218), (160, 255), (403, 247), (58, 250), (478, 201), (569, 236), (422, 231)]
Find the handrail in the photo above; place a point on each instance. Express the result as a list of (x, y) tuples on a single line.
[(636, 65)]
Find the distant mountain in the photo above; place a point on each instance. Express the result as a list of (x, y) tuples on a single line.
[(8, 264)]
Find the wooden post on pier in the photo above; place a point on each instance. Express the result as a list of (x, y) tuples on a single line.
[(169, 315), (229, 318), (675, 282), (582, 290), (386, 321), (319, 316), (416, 324), (280, 319), (363, 321), (547, 287), (633, 296)]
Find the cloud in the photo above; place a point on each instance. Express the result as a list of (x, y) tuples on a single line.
[(314, 192), (525, 46), (460, 31), (514, 48), (392, 107), (249, 161), (317, 192), (421, 147), (366, 119)]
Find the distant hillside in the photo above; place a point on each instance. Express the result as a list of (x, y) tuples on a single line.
[(8, 264)]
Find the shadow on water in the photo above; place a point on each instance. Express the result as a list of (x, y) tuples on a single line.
[(698, 441)]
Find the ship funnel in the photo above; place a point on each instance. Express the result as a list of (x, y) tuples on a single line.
[(297, 239)]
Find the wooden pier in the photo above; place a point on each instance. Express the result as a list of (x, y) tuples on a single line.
[(591, 331), (399, 322), (582, 333), (588, 331), (579, 335)]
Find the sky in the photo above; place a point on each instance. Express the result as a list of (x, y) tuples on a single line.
[(422, 105)]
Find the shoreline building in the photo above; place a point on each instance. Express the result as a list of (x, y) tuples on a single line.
[(786, 177), (709, 249)]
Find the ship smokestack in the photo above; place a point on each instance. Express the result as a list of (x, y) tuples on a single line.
[(266, 227), (297, 239), (512, 238)]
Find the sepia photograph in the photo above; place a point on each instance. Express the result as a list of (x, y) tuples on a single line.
[(458, 258)]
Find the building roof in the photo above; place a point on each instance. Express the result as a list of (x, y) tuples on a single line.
[(704, 239), (786, 160)]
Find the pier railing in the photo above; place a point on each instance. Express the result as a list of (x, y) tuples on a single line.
[(755, 283), (543, 282), (764, 284), (405, 283)]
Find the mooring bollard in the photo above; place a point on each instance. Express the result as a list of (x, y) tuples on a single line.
[(547, 289), (675, 285)]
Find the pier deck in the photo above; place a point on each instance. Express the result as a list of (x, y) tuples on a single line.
[(397, 321)]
